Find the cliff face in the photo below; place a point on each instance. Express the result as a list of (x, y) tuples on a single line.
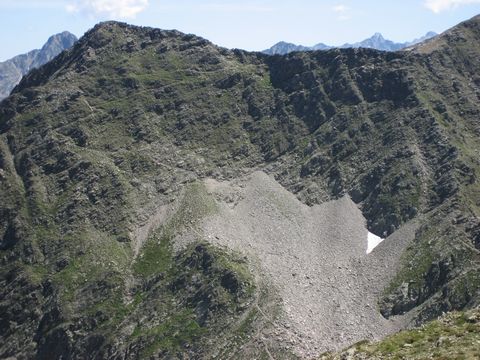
[(103, 156), (11, 71)]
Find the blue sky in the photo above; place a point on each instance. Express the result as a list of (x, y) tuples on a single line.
[(247, 24)]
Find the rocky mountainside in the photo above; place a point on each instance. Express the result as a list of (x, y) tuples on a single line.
[(11, 71), (377, 41), (162, 197)]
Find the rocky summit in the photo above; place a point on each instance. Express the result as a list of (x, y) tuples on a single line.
[(162, 197), (11, 71)]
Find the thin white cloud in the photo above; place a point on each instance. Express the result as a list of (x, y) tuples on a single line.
[(438, 6), (236, 8), (113, 9), (342, 11), (340, 8)]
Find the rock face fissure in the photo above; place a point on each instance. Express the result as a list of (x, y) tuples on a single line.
[(141, 234)]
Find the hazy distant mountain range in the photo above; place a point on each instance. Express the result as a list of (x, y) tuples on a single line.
[(11, 71), (377, 41)]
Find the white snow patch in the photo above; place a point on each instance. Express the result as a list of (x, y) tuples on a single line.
[(373, 241)]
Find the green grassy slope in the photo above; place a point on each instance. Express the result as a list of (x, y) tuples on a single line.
[(453, 336)]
